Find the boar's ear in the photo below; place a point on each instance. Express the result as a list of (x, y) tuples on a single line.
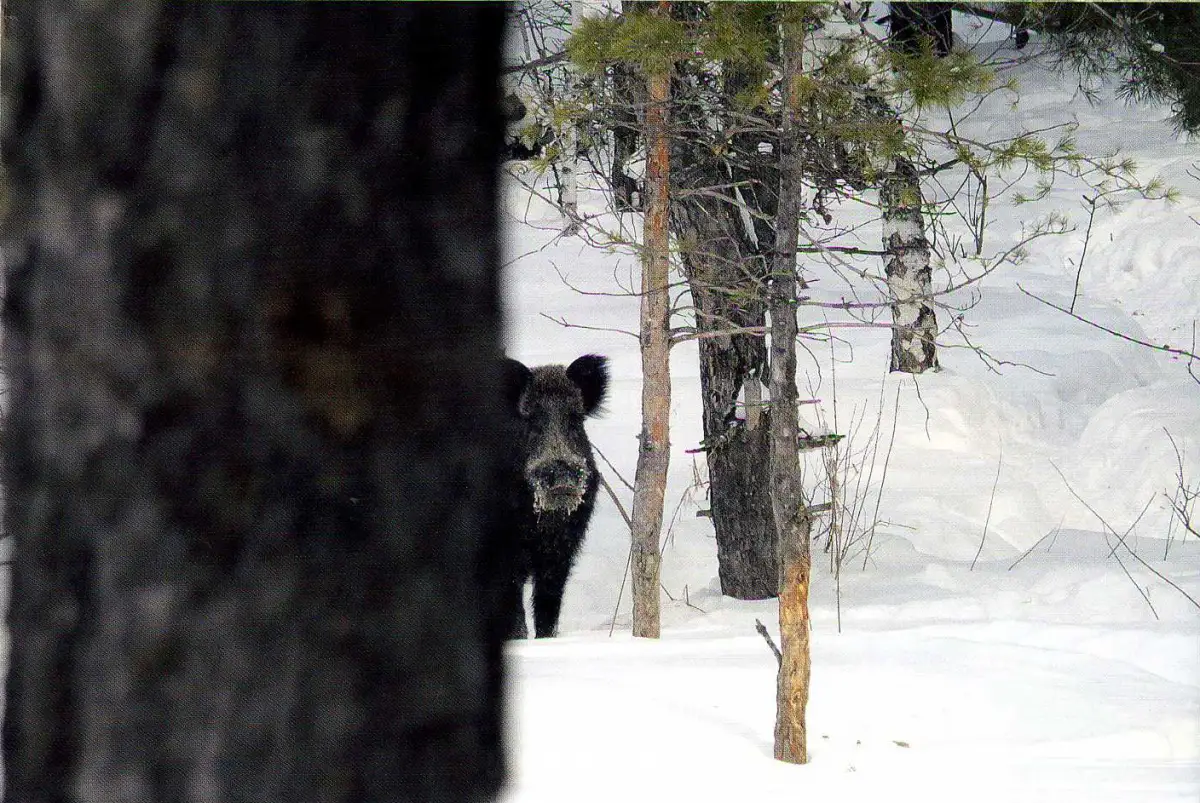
[(590, 375), (516, 378)]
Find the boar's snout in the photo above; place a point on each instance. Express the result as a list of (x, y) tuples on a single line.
[(558, 484)]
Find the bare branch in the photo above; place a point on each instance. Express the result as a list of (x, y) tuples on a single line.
[(1121, 542), (762, 631), (530, 66), (1166, 348), (568, 325)]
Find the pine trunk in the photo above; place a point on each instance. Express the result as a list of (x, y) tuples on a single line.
[(908, 270), (727, 295), (787, 491), (650, 482), (254, 434), (725, 254)]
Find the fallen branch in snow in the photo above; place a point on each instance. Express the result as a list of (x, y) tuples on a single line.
[(762, 631)]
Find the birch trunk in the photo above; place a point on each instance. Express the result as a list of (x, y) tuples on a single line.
[(908, 270), (792, 518), (650, 483)]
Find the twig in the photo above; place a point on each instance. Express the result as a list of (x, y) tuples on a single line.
[(612, 468), (563, 322), (883, 479), (1121, 542), (628, 558), (762, 631), (1164, 348), (616, 501), (1027, 552), (612, 624), (544, 61), (987, 519), (1083, 255)]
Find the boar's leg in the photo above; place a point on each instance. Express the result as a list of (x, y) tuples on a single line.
[(549, 580)]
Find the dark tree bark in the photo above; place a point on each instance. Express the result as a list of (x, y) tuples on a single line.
[(726, 285), (725, 254), (626, 192), (251, 456)]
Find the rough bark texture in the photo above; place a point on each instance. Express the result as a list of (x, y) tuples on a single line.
[(908, 270), (725, 252), (727, 294), (787, 491), (650, 482), (255, 417)]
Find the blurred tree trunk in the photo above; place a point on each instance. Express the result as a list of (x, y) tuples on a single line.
[(650, 481), (570, 159), (787, 490), (253, 447)]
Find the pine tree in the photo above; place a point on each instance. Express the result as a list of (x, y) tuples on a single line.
[(793, 521), (858, 146), (1152, 48)]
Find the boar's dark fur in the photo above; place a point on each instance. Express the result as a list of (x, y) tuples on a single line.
[(554, 478)]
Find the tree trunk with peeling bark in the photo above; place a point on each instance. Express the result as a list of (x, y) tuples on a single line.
[(650, 483), (908, 271), (255, 433), (792, 518)]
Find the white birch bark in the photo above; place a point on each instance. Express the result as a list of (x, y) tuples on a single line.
[(908, 271)]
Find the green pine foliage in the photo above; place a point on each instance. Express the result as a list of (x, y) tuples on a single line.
[(938, 82), (1153, 49), (859, 96), (651, 42)]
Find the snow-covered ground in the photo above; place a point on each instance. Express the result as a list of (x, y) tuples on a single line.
[(1069, 676)]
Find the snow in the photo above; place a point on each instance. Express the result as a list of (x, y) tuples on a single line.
[(1060, 668)]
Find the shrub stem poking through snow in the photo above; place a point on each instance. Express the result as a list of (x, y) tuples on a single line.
[(1091, 202), (1121, 542), (991, 500)]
